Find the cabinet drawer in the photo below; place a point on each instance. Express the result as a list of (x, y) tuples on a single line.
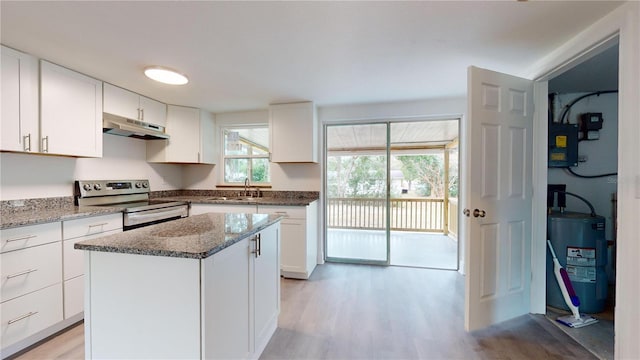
[(73, 296), (27, 270), (26, 315), (92, 225), (294, 212), (74, 259), (27, 236)]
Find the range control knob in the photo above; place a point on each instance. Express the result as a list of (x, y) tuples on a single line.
[(145, 184), (86, 187), (97, 186), (138, 185)]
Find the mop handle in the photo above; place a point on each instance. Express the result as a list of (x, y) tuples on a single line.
[(553, 253)]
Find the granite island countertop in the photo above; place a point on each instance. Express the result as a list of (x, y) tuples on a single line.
[(195, 237)]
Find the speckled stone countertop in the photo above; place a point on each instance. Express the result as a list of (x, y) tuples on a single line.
[(58, 209), (195, 237), (245, 201), (15, 213)]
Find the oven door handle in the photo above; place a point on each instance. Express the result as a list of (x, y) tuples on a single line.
[(135, 218)]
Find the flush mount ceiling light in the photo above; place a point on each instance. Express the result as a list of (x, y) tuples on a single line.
[(165, 75)]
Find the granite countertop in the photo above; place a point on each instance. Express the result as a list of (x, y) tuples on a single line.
[(274, 201), (15, 218), (15, 213), (195, 237)]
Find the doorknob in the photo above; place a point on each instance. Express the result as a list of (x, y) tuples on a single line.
[(479, 213), (466, 212)]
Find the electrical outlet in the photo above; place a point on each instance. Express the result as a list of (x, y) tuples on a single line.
[(17, 203)]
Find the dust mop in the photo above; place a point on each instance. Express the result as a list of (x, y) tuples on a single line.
[(576, 320)]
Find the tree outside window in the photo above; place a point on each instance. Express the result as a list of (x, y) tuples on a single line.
[(246, 155)]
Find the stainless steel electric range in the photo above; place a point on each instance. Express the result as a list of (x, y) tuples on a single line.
[(133, 197)]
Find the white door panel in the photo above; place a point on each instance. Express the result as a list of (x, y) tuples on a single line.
[(500, 189)]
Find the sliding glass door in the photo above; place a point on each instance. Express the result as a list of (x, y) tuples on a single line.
[(357, 193), (390, 193)]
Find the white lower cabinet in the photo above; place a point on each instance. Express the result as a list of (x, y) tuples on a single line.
[(73, 260), (265, 282), (226, 332), (299, 252), (73, 296), (31, 269), (42, 277), (31, 292), (243, 292), (29, 314), (299, 238), (223, 307)]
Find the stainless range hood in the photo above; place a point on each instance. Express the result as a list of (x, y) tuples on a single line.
[(117, 125)]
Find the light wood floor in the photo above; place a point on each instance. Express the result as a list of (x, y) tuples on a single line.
[(368, 312)]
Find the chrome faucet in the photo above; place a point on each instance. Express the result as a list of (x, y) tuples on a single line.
[(246, 186)]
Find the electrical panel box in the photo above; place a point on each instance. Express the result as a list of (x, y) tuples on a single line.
[(590, 124), (563, 145)]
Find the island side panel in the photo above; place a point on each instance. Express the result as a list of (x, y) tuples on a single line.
[(141, 306), (226, 303), (266, 288)]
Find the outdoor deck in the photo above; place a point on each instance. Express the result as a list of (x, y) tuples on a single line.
[(420, 249)]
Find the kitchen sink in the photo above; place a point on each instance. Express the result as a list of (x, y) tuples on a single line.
[(239, 198)]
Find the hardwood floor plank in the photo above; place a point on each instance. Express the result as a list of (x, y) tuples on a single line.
[(368, 312)]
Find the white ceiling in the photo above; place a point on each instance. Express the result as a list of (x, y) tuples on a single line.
[(415, 134), (596, 74), (245, 55)]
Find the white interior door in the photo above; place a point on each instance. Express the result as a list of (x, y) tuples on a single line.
[(498, 214)]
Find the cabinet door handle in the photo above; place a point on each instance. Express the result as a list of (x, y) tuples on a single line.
[(22, 317), (21, 273), (45, 144), (258, 249), (26, 142), (138, 113), (22, 238), (259, 245), (95, 225), (142, 111)]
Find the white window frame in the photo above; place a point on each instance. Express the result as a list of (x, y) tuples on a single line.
[(250, 156)]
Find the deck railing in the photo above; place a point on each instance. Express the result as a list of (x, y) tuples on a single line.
[(407, 214)]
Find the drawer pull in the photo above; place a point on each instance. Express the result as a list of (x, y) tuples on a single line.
[(281, 212), (22, 238), (22, 317), (21, 273), (94, 225)]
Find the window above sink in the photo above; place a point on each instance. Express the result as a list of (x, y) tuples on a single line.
[(246, 155)]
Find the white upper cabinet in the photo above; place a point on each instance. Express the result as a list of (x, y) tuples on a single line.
[(191, 139), (70, 112), (19, 125), (127, 104), (293, 132)]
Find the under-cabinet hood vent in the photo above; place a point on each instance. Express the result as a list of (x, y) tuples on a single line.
[(132, 128)]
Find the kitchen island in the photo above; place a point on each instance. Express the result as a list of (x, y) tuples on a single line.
[(207, 286)]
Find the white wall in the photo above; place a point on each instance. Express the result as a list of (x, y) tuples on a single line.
[(291, 177), (25, 176), (602, 157), (430, 108), (625, 22), (419, 109)]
